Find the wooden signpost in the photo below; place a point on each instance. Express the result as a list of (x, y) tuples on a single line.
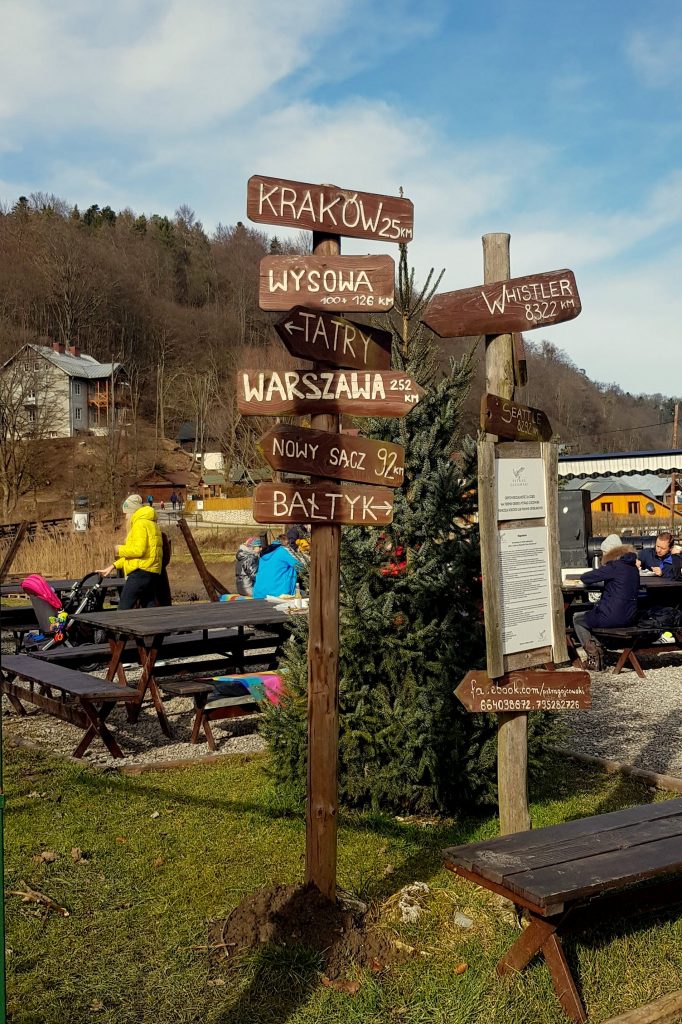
[(567, 690), (363, 387), (327, 338), (327, 282), (302, 392), (329, 209), (519, 304), (319, 453), (510, 420), (322, 503)]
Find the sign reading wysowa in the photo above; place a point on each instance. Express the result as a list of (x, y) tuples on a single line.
[(326, 282), (333, 339), (520, 304), (320, 453), (303, 392), (328, 208), (322, 503)]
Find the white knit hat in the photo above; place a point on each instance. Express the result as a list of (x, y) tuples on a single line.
[(610, 542), (133, 503)]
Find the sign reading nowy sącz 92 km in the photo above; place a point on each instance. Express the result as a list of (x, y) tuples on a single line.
[(520, 304), (324, 338), (339, 456), (322, 503), (304, 392), (328, 208), (337, 283)]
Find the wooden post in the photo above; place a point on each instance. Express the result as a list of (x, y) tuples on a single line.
[(13, 549), (214, 588), (512, 734), (323, 675), (673, 478)]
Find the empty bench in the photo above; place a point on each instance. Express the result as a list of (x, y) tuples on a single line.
[(566, 871), (205, 713), (634, 640), (82, 700)]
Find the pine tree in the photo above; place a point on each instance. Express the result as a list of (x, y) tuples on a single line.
[(407, 638)]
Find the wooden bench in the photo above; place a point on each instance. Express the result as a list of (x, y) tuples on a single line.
[(84, 701), (223, 707), (634, 640), (573, 870)]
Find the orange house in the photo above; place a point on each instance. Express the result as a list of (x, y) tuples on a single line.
[(631, 503)]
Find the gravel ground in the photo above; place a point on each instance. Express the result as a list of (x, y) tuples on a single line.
[(634, 721)]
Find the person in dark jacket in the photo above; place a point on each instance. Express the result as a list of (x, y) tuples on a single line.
[(618, 603), (661, 561)]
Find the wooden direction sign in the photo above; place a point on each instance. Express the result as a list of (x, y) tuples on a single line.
[(331, 339), (327, 282), (330, 209), (520, 304), (303, 392), (322, 503), (510, 420), (340, 456), (526, 691)]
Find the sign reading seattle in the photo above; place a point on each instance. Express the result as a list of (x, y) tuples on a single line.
[(303, 392), (333, 339), (321, 282), (339, 456), (520, 304), (328, 208), (322, 503)]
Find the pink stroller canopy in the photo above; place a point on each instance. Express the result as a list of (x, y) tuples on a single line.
[(39, 587)]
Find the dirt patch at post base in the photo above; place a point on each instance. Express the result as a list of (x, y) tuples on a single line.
[(288, 915)]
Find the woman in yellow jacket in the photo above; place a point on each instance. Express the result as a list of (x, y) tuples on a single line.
[(140, 556)]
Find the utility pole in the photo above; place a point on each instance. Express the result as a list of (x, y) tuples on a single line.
[(673, 479)]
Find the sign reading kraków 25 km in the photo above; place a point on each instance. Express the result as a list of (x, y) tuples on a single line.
[(326, 282), (330, 209), (333, 339), (337, 456), (303, 392), (520, 304)]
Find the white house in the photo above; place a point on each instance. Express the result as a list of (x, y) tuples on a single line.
[(57, 391)]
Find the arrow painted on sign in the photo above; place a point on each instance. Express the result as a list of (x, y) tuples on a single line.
[(325, 338)]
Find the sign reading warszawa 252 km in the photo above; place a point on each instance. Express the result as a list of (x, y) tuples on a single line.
[(342, 456), (321, 282), (322, 503), (328, 208), (519, 304), (333, 339), (300, 392)]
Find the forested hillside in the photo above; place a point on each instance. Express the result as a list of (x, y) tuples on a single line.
[(180, 309)]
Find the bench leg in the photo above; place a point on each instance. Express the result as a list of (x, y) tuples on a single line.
[(148, 682), (528, 945), (634, 661), (97, 728)]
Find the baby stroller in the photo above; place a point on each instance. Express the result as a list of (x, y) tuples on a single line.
[(56, 623)]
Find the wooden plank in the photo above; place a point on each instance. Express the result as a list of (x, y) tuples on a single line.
[(334, 340), (303, 392), (504, 418), (525, 691), (329, 209), (57, 708), (140, 622), (344, 283), (550, 459), (338, 456), (324, 502), (666, 1010), (213, 588), (67, 680), (502, 307)]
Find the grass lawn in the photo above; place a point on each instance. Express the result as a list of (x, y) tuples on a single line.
[(167, 852)]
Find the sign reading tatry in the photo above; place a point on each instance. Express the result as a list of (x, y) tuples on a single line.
[(302, 392), (519, 304), (328, 208), (326, 282), (342, 456), (333, 339), (322, 503)]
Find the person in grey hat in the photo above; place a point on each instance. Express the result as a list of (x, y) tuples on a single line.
[(618, 604)]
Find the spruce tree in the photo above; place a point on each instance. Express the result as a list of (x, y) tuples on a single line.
[(407, 637)]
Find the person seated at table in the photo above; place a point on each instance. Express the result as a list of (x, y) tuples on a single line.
[(618, 603), (140, 556), (277, 572), (661, 561), (246, 565)]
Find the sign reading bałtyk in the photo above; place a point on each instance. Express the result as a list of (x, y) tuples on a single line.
[(322, 503)]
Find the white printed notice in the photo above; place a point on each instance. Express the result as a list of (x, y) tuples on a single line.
[(525, 594), (520, 488)]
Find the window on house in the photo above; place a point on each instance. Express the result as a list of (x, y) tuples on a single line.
[(633, 508), (30, 394), (27, 366), (78, 414), (607, 506), (31, 415), (77, 387)]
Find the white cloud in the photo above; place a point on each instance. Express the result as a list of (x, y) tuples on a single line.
[(655, 56)]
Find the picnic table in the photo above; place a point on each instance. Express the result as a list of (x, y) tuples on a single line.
[(578, 868), (150, 627)]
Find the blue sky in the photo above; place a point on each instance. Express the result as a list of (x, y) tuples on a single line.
[(561, 124)]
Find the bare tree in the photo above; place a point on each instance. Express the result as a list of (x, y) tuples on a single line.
[(25, 420)]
